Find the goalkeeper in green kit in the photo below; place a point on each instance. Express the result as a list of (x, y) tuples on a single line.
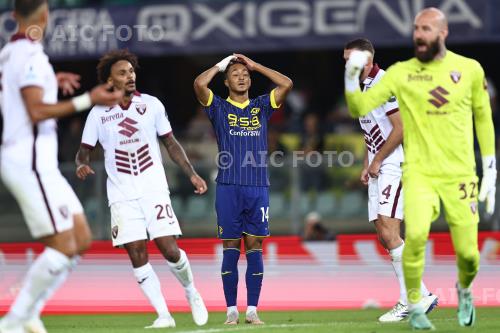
[(440, 94)]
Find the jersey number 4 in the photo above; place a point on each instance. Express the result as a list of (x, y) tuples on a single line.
[(387, 192)]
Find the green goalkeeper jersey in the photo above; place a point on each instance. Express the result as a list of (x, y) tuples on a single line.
[(437, 102)]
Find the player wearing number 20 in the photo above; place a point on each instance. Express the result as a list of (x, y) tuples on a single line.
[(137, 187), (242, 198)]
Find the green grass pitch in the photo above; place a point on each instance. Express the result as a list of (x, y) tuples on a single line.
[(340, 321)]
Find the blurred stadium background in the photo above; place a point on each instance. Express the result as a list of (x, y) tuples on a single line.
[(175, 41)]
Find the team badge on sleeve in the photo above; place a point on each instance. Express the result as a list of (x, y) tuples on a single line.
[(141, 108), (114, 232), (455, 76), (473, 207)]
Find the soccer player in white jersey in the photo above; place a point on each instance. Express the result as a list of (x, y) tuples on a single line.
[(28, 163), (383, 132), (137, 186)]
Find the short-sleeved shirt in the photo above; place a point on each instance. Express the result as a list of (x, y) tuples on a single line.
[(377, 126), (27, 146), (241, 132), (129, 136)]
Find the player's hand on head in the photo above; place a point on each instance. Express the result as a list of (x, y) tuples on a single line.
[(364, 178), (104, 94), (222, 65), (199, 184), (84, 170), (246, 60), (356, 63), (68, 82)]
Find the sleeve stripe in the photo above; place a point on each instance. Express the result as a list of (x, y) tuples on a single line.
[(86, 145), (273, 100), (166, 135), (392, 111), (210, 99)]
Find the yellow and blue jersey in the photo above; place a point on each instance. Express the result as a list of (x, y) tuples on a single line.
[(241, 132)]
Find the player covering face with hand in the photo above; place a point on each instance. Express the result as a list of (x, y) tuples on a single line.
[(242, 194), (383, 132), (137, 188), (439, 94)]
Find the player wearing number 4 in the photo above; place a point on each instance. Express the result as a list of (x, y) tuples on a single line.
[(137, 187), (242, 195), (439, 94), (383, 133)]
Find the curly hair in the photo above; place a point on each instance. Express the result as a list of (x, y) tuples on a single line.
[(111, 58), (25, 8)]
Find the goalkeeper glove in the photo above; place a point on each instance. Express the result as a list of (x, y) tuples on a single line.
[(353, 67), (222, 65), (488, 183)]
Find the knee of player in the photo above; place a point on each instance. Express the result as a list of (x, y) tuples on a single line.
[(169, 249), (388, 237), (172, 254), (468, 255), (138, 256)]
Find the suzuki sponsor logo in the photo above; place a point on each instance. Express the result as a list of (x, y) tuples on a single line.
[(128, 128), (438, 93)]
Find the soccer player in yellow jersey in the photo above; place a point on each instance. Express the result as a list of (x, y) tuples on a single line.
[(439, 94)]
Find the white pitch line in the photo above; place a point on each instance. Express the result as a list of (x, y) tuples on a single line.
[(232, 329)]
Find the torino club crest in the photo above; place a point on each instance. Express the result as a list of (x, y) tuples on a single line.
[(141, 108), (455, 76)]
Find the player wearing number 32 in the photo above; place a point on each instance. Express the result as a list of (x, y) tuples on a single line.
[(242, 195), (439, 94), (137, 187)]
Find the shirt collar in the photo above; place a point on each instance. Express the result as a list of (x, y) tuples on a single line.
[(237, 104), (136, 97), (373, 73), (19, 36)]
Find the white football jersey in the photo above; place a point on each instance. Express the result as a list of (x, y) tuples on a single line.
[(26, 146), (129, 136), (376, 125)]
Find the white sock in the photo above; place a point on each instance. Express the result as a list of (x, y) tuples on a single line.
[(45, 273), (424, 290), (233, 308), (396, 256), (38, 307), (150, 285), (183, 273), (251, 308)]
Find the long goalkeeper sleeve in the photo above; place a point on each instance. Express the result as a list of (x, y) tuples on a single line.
[(483, 121), (361, 103)]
